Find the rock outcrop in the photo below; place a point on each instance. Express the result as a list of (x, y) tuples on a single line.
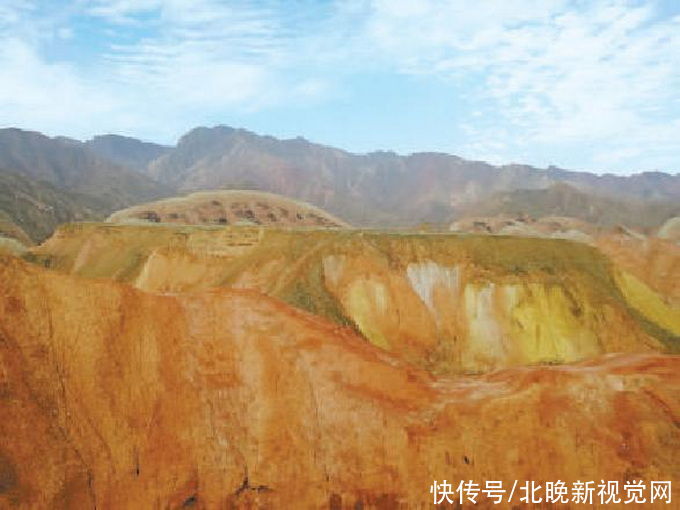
[(230, 207), (447, 303), (653, 259)]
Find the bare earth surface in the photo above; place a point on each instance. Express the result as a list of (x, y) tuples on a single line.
[(230, 208), (113, 397)]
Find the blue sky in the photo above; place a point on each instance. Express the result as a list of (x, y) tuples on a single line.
[(591, 85)]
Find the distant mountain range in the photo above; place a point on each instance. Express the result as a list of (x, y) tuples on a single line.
[(126, 151), (37, 207), (566, 200), (379, 189)]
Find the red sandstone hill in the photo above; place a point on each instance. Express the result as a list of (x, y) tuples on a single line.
[(113, 397), (230, 207)]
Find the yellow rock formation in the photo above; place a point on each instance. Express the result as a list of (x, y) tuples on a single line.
[(448, 303)]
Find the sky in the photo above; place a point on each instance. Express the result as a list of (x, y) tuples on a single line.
[(584, 85)]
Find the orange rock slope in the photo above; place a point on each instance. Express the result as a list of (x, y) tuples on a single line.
[(653, 260), (112, 397), (447, 303)]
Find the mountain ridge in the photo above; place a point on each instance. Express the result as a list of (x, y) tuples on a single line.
[(71, 165), (567, 200), (126, 150), (376, 189)]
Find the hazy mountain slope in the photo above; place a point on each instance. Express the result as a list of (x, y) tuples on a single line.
[(70, 165), (117, 398), (562, 199), (378, 189), (645, 185), (9, 229), (126, 151), (671, 229), (229, 207), (38, 207)]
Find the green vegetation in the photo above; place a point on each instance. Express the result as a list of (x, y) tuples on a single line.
[(37, 207)]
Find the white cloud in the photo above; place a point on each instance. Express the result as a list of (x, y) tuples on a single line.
[(193, 60), (47, 94), (548, 77), (121, 11), (560, 74), (213, 53)]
